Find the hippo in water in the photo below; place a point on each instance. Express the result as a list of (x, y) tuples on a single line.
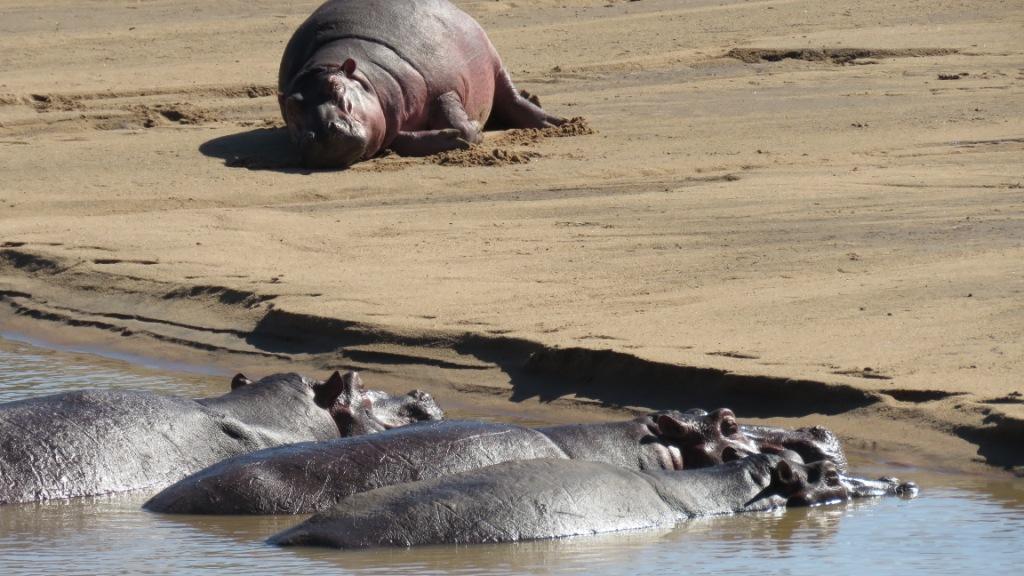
[(415, 76), (94, 442), (545, 498), (311, 477), (811, 443)]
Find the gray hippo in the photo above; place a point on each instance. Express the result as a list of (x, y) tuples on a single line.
[(544, 498), (315, 476), (812, 443), (94, 442), (415, 76)]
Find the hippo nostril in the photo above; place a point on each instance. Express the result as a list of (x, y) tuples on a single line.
[(730, 454)]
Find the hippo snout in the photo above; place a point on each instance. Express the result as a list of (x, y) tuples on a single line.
[(337, 129), (813, 484), (421, 396), (422, 407), (906, 489), (339, 145)]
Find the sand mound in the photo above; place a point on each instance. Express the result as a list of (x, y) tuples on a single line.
[(478, 156), (577, 126)]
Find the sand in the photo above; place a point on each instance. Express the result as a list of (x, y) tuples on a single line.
[(803, 209)]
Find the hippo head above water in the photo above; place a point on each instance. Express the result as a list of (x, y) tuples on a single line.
[(334, 116), (699, 439), (808, 484), (354, 409)]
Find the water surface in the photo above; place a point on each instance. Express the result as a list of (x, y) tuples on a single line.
[(959, 524)]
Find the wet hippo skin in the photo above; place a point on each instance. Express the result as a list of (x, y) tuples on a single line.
[(544, 498), (811, 443), (314, 476), (94, 442)]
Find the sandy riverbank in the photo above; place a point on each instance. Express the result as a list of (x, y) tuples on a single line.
[(798, 209)]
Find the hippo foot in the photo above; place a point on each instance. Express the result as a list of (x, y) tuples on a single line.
[(428, 142), (519, 109), (531, 98)]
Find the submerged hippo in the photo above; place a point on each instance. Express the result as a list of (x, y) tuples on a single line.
[(416, 76), (93, 442), (315, 476), (538, 499)]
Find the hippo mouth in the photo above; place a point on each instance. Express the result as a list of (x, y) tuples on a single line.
[(670, 456)]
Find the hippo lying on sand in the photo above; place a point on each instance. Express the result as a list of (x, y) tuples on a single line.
[(538, 499), (94, 442), (416, 76), (311, 477)]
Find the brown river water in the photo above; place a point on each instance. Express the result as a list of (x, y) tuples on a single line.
[(958, 525)]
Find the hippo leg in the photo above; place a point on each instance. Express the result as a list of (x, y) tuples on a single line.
[(513, 110), (427, 142), (451, 113), (453, 130)]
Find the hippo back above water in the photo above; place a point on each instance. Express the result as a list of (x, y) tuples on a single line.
[(315, 476), (93, 442), (416, 76), (544, 498)]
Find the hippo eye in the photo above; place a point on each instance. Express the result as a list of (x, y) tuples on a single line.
[(729, 427), (832, 478)]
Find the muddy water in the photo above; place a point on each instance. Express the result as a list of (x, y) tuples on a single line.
[(959, 525)]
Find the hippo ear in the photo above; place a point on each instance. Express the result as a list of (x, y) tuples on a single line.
[(338, 388), (348, 67), (239, 380), (291, 106), (784, 474), (677, 429)]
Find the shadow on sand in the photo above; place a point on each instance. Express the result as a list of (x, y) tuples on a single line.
[(259, 149), (549, 374)]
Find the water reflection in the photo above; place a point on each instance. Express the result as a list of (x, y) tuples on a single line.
[(27, 371), (944, 531), (959, 525)]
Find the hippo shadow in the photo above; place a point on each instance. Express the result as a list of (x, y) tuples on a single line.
[(259, 149)]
